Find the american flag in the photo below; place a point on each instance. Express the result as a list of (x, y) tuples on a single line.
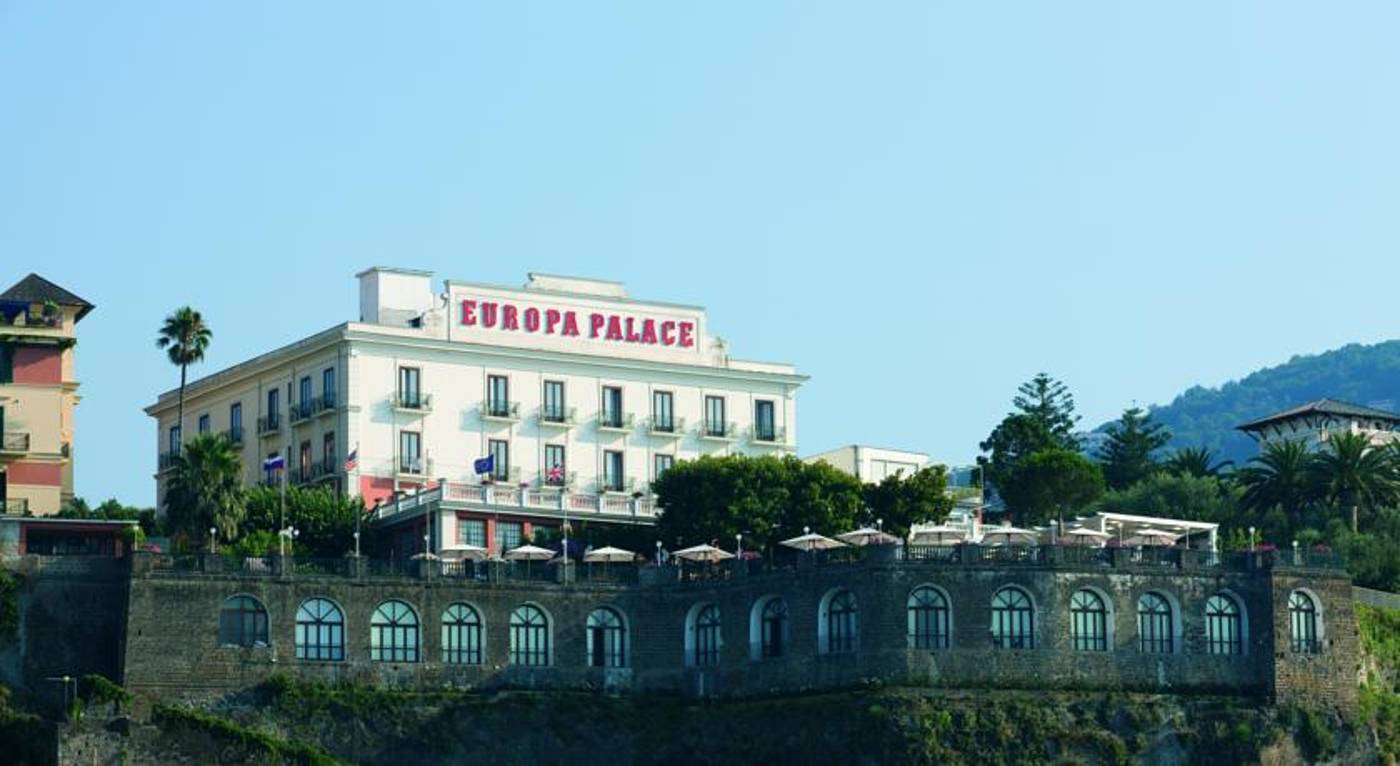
[(352, 459)]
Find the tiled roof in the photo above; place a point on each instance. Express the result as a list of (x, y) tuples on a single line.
[(36, 289), (1322, 407)]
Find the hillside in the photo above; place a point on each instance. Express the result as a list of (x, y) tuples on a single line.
[(1354, 373)]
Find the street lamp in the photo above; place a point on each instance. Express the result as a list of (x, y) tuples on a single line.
[(357, 543), (284, 536), (739, 546), (212, 531), (426, 538), (1251, 538), (658, 553), (880, 524)]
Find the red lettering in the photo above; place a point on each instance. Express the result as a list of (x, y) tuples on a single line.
[(595, 323), (469, 313), (570, 324), (649, 331), (614, 327), (632, 336), (532, 320), (510, 317), (686, 339), (488, 315), (551, 320), (668, 333)]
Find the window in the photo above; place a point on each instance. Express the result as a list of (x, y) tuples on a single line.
[(242, 622), (612, 406), (410, 448), (840, 616), (235, 421), (499, 450), (1302, 621), (705, 647), (304, 463), (509, 534), (328, 452), (471, 532), (529, 636), (928, 619), (607, 639), (1155, 629), (1223, 634), (553, 410), (393, 633), (773, 628), (714, 416), (663, 464), (304, 395), (328, 387), (1088, 626), (273, 407), (204, 423), (554, 467), (498, 395), (764, 428), (612, 471), (320, 631), (461, 635), (7, 363), (663, 411), (410, 394), (1013, 624), (174, 446)]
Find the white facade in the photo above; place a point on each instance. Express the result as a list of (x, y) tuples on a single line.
[(872, 464), (426, 383)]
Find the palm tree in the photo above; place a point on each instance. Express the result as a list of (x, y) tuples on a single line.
[(1351, 472), (1279, 477), (1198, 462), (185, 337), (206, 487)]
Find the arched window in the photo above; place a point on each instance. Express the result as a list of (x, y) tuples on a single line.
[(773, 628), (929, 627), (1013, 620), (242, 622), (393, 633), (607, 639), (529, 636), (707, 637), (1154, 620), (320, 631), (1088, 622), (1223, 629), (461, 635), (841, 625), (1302, 620)]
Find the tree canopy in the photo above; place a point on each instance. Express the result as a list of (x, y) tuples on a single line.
[(1043, 419), (205, 489), (1050, 484), (1129, 455), (900, 501)]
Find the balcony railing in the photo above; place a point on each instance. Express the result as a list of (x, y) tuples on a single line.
[(563, 417), (769, 435), (324, 403), (503, 411), (300, 411), (560, 481), (673, 428), (615, 421), (269, 424), (626, 484), (499, 496), (411, 401), (719, 430), (16, 505), (14, 442), (414, 467), (508, 477), (234, 435), (166, 460)]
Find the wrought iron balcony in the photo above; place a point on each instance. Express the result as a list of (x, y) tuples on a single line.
[(498, 410), (411, 401), (625, 484), (671, 428), (269, 424), (14, 443), (559, 417), (166, 460), (300, 411), (413, 467), (773, 436), (234, 435), (16, 505), (614, 421), (324, 403), (560, 481), (722, 431)]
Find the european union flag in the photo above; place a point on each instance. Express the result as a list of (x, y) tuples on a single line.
[(484, 465)]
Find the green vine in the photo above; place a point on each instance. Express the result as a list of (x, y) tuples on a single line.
[(251, 741), (10, 583)]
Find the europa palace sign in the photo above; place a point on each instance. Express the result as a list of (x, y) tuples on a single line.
[(564, 322)]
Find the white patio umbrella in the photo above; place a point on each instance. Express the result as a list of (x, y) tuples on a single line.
[(608, 555), (938, 534), (868, 536), (1087, 536), (425, 556), (705, 552), (1149, 536), (812, 541), (464, 551), (1004, 534), (529, 553)]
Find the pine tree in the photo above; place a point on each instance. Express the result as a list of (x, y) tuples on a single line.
[(1129, 454)]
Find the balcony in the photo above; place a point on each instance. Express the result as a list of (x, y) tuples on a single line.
[(769, 437), (500, 412), (615, 422), (561, 481), (671, 428), (269, 424), (508, 477), (17, 506), (166, 460), (724, 432), (626, 485), (300, 411), (14, 443), (413, 470), (558, 417), (411, 402), (313, 473), (323, 404), (234, 435)]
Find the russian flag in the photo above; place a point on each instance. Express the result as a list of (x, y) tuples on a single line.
[(274, 463)]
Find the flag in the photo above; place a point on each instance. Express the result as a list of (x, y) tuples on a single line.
[(352, 460), (274, 463), (556, 474), (484, 465)]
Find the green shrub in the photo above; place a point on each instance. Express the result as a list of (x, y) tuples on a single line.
[(96, 689), (250, 741)]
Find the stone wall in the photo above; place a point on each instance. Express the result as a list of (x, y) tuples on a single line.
[(172, 648)]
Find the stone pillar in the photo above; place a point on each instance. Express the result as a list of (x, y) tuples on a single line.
[(282, 566), (355, 566), (564, 572), (211, 562), (140, 563)]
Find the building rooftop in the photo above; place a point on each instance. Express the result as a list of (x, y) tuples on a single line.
[(1321, 407), (36, 289)]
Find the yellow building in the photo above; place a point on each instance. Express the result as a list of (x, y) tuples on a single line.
[(37, 395)]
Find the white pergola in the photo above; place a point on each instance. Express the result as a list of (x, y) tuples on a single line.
[(1122, 526)]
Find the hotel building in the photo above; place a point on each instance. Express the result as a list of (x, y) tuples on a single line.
[(579, 394), (38, 393)]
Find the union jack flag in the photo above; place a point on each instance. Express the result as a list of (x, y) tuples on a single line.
[(556, 474)]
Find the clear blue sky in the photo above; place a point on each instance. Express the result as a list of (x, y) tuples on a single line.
[(920, 204)]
